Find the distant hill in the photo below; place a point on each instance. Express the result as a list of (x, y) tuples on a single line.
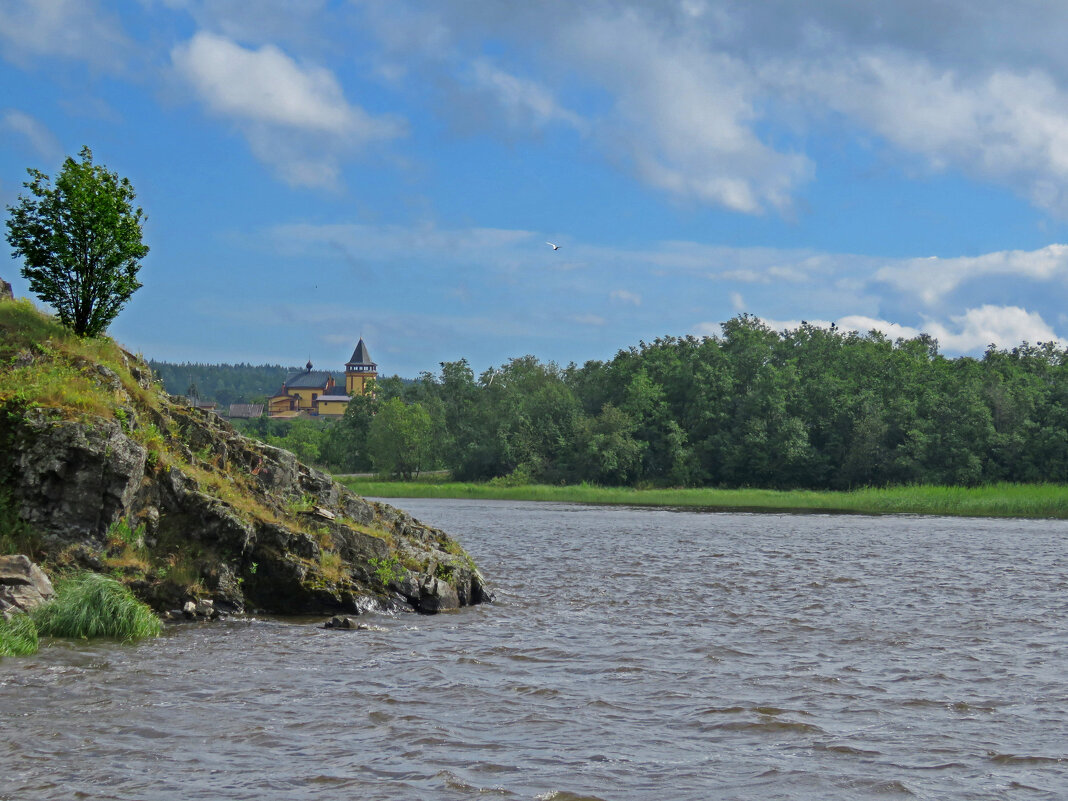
[(225, 383)]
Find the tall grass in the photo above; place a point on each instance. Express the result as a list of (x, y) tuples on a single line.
[(18, 636), (997, 500), (90, 605)]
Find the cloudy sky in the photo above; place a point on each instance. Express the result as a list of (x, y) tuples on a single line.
[(315, 171)]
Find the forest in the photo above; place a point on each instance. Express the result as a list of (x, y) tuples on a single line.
[(222, 383), (810, 408)]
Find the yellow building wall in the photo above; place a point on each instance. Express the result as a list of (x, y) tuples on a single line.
[(305, 396), (336, 408), (278, 404), (356, 383)]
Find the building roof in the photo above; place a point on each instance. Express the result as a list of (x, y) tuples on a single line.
[(360, 357), (308, 379), (246, 409)]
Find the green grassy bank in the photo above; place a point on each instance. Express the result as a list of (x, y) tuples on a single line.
[(998, 500)]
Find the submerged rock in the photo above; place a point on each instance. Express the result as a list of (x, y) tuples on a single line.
[(349, 623)]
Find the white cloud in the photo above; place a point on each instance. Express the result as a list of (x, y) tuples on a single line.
[(295, 117), (698, 97), (862, 324), (525, 102), (624, 296), (298, 21), (391, 241), (1004, 326), (33, 131), (72, 29), (970, 332), (931, 279), (684, 115), (737, 301), (1002, 124), (587, 319)]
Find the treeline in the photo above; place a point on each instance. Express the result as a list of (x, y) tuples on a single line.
[(222, 383), (810, 407)]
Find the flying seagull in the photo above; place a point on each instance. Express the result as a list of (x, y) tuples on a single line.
[(554, 247)]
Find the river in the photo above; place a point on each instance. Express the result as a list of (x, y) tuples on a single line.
[(630, 654)]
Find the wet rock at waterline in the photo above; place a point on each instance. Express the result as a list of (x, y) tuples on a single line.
[(350, 623)]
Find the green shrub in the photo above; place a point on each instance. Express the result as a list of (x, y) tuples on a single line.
[(91, 605), (386, 570), (18, 636), (122, 532)]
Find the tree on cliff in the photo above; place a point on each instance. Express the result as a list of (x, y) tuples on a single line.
[(80, 241)]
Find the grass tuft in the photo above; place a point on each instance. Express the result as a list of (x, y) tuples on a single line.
[(18, 636), (91, 605)]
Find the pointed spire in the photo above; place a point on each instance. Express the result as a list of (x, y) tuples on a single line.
[(360, 357)]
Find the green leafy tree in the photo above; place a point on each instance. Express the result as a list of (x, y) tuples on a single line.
[(606, 450), (80, 242), (400, 437), (345, 447)]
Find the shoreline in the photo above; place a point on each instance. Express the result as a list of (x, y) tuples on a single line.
[(1028, 501)]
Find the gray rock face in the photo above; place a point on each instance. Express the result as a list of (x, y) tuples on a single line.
[(23, 585), (76, 479), (5, 290)]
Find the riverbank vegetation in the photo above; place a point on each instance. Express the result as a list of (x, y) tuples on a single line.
[(91, 605), (808, 408), (996, 500), (18, 636), (87, 605)]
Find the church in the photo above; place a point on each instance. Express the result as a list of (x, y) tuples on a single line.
[(314, 393)]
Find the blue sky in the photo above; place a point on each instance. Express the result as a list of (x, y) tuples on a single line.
[(318, 171)]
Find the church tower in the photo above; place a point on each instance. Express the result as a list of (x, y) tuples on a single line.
[(359, 370)]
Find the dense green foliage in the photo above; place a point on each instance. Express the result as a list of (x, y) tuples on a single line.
[(398, 438), (994, 500), (18, 636), (806, 408), (80, 242), (810, 407), (92, 605)]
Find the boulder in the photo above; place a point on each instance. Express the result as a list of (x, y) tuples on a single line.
[(5, 290), (436, 595), (23, 585)]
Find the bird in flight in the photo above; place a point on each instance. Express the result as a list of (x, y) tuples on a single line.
[(554, 247)]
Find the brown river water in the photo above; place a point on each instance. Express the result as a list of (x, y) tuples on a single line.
[(630, 654)]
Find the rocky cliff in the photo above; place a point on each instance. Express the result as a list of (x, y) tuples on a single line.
[(100, 469)]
